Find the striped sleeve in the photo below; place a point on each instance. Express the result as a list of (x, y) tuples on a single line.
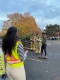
[(21, 52)]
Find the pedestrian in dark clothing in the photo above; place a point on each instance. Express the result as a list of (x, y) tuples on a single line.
[(43, 46)]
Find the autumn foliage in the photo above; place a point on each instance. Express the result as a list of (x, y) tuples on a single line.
[(25, 23)]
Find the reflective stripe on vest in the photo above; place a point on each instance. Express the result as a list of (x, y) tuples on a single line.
[(14, 59)]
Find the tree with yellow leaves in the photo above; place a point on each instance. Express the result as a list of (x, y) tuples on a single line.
[(25, 23)]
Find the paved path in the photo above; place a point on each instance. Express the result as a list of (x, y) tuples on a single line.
[(44, 69)]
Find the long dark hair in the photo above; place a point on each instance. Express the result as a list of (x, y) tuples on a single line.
[(9, 40)]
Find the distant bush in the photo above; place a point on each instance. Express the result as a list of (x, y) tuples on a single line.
[(26, 37)]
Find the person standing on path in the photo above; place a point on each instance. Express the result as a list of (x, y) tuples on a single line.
[(14, 54), (37, 44), (43, 47), (32, 42)]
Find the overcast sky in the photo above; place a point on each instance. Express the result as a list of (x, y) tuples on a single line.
[(44, 11)]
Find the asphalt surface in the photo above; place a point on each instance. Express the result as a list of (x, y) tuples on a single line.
[(44, 69)]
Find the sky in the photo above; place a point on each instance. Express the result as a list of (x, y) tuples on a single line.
[(45, 12)]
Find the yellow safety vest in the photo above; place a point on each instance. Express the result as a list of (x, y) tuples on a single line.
[(14, 60)]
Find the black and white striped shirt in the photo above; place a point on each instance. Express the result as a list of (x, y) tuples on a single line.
[(21, 52)]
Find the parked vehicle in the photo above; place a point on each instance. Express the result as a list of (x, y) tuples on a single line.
[(53, 38)]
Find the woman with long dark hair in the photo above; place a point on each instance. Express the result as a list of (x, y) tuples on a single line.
[(14, 54)]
